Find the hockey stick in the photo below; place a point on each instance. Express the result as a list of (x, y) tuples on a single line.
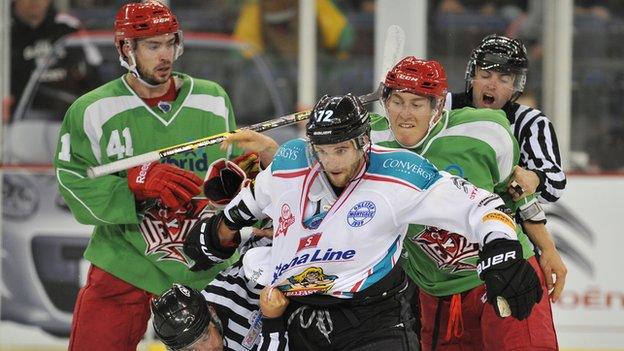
[(393, 51)]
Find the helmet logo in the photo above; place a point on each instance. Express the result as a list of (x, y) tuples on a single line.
[(184, 291), (324, 115)]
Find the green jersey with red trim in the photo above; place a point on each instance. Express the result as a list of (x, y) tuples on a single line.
[(140, 243), (477, 145)]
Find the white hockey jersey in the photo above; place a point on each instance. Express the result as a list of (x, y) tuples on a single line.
[(356, 239)]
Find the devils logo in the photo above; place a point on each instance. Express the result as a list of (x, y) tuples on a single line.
[(449, 250), (164, 230)]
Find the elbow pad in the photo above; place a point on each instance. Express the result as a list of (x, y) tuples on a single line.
[(204, 246), (237, 216)]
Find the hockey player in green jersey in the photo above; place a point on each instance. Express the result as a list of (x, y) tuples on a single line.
[(477, 145), (142, 216)]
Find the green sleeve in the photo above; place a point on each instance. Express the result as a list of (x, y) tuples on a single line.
[(104, 200)]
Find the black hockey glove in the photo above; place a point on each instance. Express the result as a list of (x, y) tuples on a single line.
[(508, 275), (202, 244)]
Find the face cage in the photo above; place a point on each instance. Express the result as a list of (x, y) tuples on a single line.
[(518, 85)]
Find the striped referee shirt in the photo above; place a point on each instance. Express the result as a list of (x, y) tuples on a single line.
[(235, 299), (536, 136)]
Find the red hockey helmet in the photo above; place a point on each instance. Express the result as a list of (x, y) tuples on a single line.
[(416, 76), (142, 20)]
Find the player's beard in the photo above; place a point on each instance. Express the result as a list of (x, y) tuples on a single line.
[(151, 78), (344, 178)]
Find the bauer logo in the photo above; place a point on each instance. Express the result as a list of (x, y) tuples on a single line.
[(361, 213)]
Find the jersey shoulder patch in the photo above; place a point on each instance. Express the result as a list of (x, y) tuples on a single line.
[(291, 155), (403, 165)]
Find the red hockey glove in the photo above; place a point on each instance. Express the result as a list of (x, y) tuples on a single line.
[(172, 185), (224, 179)]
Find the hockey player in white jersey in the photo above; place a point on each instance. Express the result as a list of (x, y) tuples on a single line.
[(340, 209)]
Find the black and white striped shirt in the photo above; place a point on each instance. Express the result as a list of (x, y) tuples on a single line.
[(539, 150), (235, 299)]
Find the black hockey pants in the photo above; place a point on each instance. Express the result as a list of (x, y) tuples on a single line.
[(384, 322)]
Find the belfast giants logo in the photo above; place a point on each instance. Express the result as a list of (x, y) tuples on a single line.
[(448, 250), (361, 213), (164, 231), (286, 219)]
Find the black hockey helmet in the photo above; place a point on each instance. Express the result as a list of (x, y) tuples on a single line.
[(335, 119), (501, 54), (181, 315)]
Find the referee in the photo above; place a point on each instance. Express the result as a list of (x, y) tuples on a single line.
[(495, 78), (224, 316)]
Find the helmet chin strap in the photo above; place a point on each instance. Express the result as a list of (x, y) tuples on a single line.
[(133, 70), (131, 67)]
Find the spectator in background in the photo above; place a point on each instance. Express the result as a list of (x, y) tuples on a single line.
[(35, 27), (272, 25), (605, 151), (489, 7)]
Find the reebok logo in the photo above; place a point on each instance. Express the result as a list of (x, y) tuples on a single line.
[(493, 261), (142, 173)]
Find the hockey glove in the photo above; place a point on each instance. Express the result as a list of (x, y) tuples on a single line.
[(508, 275), (224, 178), (172, 185), (203, 245)]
